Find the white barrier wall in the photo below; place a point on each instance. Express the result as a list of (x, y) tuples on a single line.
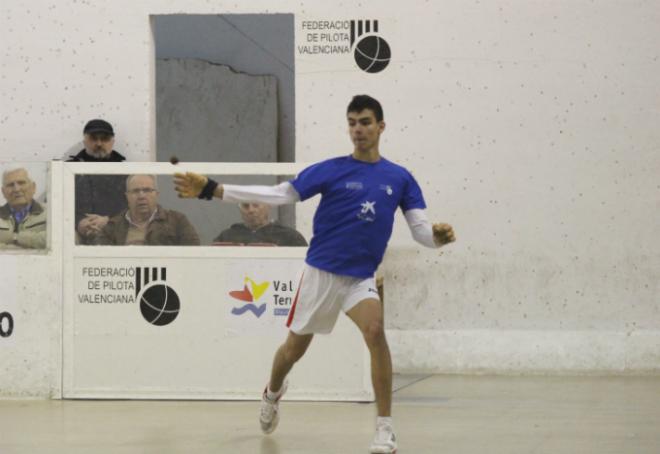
[(196, 322), (531, 126), (204, 325)]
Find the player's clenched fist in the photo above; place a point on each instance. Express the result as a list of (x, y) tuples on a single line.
[(189, 185), (443, 234)]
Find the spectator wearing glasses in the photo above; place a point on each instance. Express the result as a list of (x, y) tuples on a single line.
[(98, 197), (145, 222)]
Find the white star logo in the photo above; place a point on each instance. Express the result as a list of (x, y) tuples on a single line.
[(367, 207)]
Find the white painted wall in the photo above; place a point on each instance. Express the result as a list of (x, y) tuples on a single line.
[(31, 289), (531, 126)]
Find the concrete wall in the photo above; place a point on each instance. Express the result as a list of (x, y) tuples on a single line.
[(531, 126), (206, 112), (254, 44)]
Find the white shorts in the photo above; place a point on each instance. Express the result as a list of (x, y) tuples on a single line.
[(320, 297)]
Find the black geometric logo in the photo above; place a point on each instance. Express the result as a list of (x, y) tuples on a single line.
[(372, 53), (159, 303)]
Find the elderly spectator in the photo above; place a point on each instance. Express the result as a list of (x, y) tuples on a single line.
[(257, 227), (22, 219), (145, 222), (97, 196)]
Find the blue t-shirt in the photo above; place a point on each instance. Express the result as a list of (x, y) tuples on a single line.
[(354, 219)]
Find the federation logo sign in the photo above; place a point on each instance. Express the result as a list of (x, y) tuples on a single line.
[(250, 296), (359, 38), (159, 303), (371, 52)]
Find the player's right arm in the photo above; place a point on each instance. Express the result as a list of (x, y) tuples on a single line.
[(194, 185)]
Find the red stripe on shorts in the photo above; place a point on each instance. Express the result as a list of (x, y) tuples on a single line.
[(295, 301)]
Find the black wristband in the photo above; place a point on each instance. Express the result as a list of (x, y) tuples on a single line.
[(209, 189)]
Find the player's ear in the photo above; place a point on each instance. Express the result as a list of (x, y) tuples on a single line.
[(381, 126)]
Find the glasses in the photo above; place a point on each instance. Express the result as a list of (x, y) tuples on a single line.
[(138, 191)]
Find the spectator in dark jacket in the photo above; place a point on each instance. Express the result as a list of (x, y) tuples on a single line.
[(98, 197)]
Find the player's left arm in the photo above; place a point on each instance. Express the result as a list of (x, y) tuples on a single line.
[(425, 233)]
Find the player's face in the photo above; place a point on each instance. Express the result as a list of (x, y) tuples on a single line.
[(142, 196), (18, 189), (99, 145), (364, 129), (255, 215)]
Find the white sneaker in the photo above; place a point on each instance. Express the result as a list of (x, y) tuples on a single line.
[(384, 441), (270, 413)]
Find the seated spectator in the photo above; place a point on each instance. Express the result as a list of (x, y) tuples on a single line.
[(97, 196), (258, 228), (145, 222), (22, 219)]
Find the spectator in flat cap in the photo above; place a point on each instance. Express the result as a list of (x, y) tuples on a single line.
[(98, 138), (98, 197)]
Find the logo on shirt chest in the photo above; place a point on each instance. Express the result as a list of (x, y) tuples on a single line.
[(354, 185), (387, 188), (368, 211), (358, 186)]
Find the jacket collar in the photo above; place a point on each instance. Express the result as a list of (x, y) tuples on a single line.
[(86, 157), (159, 215), (36, 208)]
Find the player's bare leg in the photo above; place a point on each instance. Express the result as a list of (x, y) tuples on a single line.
[(286, 356), (368, 316)]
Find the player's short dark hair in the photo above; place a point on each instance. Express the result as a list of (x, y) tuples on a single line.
[(361, 102)]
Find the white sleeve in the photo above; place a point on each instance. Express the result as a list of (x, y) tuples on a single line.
[(280, 194), (420, 227)]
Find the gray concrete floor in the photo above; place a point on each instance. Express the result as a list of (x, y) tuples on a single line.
[(434, 414)]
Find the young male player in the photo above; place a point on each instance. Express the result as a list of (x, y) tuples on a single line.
[(360, 194)]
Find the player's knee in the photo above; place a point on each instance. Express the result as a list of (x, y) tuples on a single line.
[(374, 332)]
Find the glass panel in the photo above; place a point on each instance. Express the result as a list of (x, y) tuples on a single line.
[(138, 209)]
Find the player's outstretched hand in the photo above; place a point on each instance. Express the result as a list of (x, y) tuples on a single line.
[(189, 185), (443, 234)]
